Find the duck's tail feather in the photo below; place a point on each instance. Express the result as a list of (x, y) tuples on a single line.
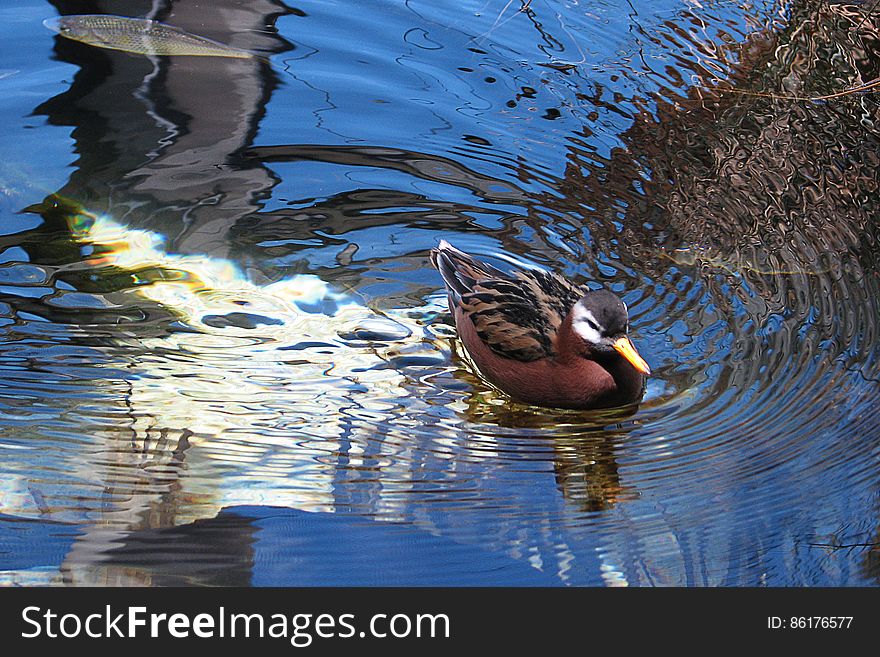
[(460, 271)]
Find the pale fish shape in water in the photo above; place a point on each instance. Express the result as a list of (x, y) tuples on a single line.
[(139, 35)]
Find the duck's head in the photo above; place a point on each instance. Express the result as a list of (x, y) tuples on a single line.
[(599, 320)]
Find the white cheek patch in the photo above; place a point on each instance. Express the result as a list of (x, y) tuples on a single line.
[(584, 324), (587, 332)]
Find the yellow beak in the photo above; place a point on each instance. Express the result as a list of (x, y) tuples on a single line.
[(626, 349)]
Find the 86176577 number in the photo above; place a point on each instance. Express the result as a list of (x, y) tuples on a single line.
[(810, 622)]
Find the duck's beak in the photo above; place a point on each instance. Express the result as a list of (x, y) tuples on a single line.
[(626, 349)]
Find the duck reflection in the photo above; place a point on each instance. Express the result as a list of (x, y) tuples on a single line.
[(587, 472), (582, 446)]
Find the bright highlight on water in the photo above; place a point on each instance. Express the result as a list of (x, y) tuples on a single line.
[(138, 35)]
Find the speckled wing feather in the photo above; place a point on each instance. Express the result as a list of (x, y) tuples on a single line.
[(519, 317), (516, 316)]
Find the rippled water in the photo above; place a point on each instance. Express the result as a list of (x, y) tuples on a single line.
[(226, 358)]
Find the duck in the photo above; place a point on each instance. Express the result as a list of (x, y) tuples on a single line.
[(539, 338)]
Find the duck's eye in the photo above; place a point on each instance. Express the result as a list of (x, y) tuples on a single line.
[(588, 329), (593, 325)]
